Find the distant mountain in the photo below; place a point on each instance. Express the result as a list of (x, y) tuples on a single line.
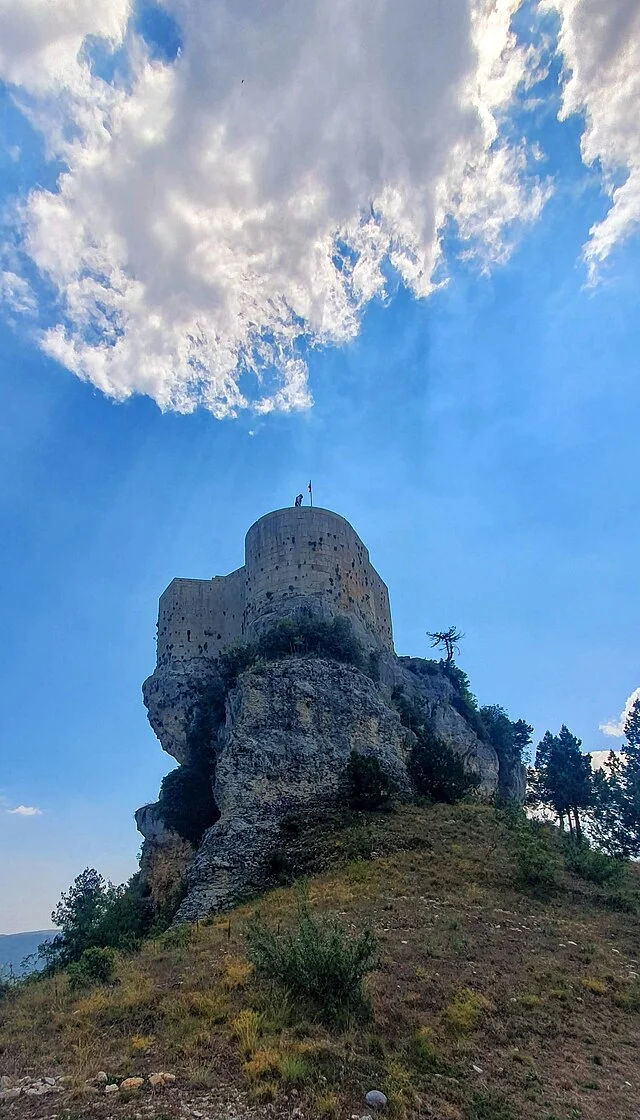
[(14, 947)]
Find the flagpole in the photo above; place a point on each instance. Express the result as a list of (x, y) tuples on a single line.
[(310, 492)]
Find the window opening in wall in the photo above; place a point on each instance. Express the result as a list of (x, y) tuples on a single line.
[(188, 635)]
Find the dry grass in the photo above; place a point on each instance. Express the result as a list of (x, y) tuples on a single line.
[(488, 1004)]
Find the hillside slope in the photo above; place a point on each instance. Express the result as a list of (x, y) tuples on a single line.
[(488, 1003)]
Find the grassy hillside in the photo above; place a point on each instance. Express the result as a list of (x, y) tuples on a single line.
[(488, 1003)]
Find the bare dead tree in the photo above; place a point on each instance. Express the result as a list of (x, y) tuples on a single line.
[(450, 639)]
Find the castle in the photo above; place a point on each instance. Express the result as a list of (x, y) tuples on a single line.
[(275, 738), (301, 558)]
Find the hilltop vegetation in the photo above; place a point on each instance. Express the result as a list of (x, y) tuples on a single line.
[(497, 981)]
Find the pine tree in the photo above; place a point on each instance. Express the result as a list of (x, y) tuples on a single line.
[(616, 820), (562, 780)]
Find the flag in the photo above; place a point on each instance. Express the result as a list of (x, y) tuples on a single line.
[(310, 492)]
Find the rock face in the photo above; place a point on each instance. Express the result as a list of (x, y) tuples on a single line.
[(289, 728), (152, 826), (426, 685), (289, 732), (173, 699)]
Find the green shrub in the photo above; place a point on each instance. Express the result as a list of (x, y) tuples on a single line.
[(93, 913), (368, 787), (186, 801), (302, 636), (464, 701), (437, 772), (127, 917), (280, 865), (357, 844), (235, 659), (622, 902), (96, 966), (594, 866), (310, 635), (535, 864), (319, 965), (512, 814)]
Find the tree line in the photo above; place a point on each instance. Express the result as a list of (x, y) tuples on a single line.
[(602, 804)]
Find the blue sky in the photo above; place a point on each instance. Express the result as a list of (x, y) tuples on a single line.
[(482, 440)]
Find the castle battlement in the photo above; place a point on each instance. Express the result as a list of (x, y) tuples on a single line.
[(296, 559)]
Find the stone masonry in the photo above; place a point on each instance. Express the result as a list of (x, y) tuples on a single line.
[(305, 558)]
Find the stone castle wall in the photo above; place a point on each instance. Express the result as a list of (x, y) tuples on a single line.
[(199, 617), (294, 558)]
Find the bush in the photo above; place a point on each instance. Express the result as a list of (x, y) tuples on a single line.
[(464, 701), (368, 787), (535, 864), (623, 902), (298, 637), (594, 866), (97, 914), (127, 917), (186, 801), (319, 965), (96, 966), (437, 772)]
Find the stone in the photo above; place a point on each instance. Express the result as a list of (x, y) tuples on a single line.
[(132, 1084), (10, 1094), (111, 1088), (39, 1089), (161, 1080), (6, 1082), (101, 1078), (375, 1099)]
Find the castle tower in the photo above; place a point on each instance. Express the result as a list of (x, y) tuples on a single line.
[(297, 560)]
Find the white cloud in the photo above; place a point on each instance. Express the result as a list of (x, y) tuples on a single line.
[(24, 811), (15, 293), (600, 759), (600, 41), (40, 40), (615, 727), (218, 209)]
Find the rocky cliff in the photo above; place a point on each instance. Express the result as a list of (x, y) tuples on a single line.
[(276, 741)]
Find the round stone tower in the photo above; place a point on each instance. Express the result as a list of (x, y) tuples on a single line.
[(309, 559)]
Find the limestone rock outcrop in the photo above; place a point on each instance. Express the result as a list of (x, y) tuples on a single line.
[(289, 731), (173, 698), (426, 684)]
